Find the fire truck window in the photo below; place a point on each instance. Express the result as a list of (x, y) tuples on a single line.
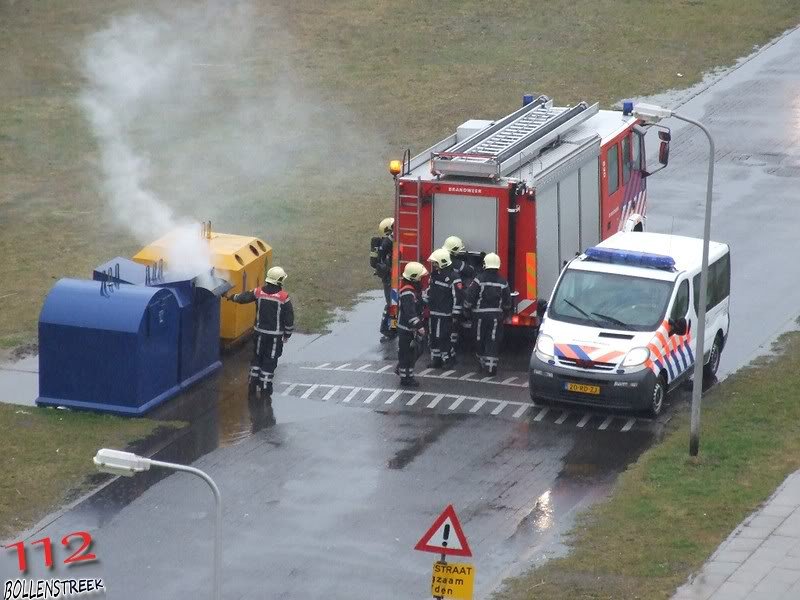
[(626, 159), (613, 169)]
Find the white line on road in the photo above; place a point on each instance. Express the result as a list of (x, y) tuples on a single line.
[(447, 374), (372, 396), (385, 368), (323, 365), (604, 425), (425, 372), (467, 376), (436, 400), (394, 397), (499, 408), (414, 399), (352, 394), (584, 420), (455, 404), (310, 391), (342, 367), (363, 367), (507, 381), (331, 392), (478, 405), (290, 389), (562, 418), (541, 414), (521, 410), (628, 425)]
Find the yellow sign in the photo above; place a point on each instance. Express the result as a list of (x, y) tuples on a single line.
[(452, 580)]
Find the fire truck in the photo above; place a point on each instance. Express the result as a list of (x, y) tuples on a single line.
[(537, 187)]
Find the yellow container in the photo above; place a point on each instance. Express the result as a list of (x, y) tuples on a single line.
[(239, 259)]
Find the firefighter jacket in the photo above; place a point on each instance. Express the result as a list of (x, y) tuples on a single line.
[(444, 295), (384, 268), (464, 270), (489, 295), (410, 308), (274, 311)]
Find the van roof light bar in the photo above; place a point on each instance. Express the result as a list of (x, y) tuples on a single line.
[(631, 258)]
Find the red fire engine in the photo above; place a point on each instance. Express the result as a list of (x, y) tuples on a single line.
[(537, 187)]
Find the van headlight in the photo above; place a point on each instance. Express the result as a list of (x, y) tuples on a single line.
[(545, 347), (636, 357)]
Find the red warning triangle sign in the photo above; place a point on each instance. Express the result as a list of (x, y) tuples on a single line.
[(445, 536)]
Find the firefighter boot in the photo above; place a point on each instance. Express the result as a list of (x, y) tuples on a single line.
[(252, 388), (266, 393)]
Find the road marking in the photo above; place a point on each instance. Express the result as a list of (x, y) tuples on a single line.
[(584, 420), (562, 418), (488, 379), (331, 392), (310, 391), (352, 394), (429, 372), (458, 401), (467, 376), (382, 369), (342, 367), (323, 365), (499, 408), (447, 374), (521, 410), (394, 397), (478, 405), (604, 425), (372, 396), (414, 399), (541, 414), (290, 389), (436, 401), (363, 368), (507, 381), (425, 372), (628, 425)]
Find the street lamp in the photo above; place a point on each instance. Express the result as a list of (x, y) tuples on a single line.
[(650, 113), (128, 464)]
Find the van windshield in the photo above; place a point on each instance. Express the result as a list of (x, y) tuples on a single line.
[(610, 300)]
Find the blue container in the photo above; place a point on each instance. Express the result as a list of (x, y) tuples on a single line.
[(527, 99), (112, 349)]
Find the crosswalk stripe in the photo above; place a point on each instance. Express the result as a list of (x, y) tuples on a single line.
[(541, 414), (323, 365), (385, 368), (342, 367), (467, 376), (509, 380), (628, 425), (290, 389), (331, 392), (447, 374), (455, 404), (352, 394), (425, 372), (372, 396), (477, 406), (604, 425), (562, 418), (414, 399), (584, 420), (363, 367), (499, 408), (309, 391), (436, 401), (394, 397), (521, 410)]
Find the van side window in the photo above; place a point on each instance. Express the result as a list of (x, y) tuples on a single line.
[(613, 169), (626, 159), (636, 158), (719, 283), (681, 305)]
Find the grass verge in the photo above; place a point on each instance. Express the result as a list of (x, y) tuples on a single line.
[(46, 458), (668, 513)]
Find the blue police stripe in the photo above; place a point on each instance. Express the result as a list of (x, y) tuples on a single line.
[(579, 351)]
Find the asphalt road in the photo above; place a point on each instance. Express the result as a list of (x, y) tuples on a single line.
[(327, 493)]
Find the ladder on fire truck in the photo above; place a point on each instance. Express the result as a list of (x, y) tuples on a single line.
[(512, 141), (407, 227)]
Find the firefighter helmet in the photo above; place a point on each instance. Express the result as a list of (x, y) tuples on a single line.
[(275, 276), (414, 271), (491, 261), (386, 226), (454, 245), (441, 258)]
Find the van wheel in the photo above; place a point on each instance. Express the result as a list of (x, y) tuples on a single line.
[(658, 397), (710, 368)]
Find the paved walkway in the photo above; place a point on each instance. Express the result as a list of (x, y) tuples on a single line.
[(760, 559)]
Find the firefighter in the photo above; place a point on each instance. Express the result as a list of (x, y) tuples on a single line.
[(381, 261), (273, 328), (462, 328), (409, 323), (444, 297), (489, 300)]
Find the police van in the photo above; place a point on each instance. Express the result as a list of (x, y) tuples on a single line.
[(620, 328)]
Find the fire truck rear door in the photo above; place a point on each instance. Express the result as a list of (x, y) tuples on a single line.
[(472, 218)]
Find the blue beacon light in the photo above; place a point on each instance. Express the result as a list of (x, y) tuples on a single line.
[(631, 258)]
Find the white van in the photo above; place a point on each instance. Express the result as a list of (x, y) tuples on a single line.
[(619, 329)]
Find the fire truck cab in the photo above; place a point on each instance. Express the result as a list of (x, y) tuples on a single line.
[(537, 187)]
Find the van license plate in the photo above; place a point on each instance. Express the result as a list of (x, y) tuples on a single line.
[(582, 388)]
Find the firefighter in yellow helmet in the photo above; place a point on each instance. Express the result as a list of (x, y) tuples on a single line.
[(489, 299), (462, 327), (274, 326), (380, 259), (443, 297), (411, 330)]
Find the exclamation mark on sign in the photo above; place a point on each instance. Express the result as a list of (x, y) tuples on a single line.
[(445, 535)]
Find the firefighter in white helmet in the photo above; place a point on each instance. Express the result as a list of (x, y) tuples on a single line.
[(462, 328), (274, 326), (410, 327), (489, 299), (444, 297), (380, 259)]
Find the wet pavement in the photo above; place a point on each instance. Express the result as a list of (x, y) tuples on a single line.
[(327, 491)]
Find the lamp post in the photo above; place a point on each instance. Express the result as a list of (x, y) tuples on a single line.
[(128, 464), (651, 113)]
